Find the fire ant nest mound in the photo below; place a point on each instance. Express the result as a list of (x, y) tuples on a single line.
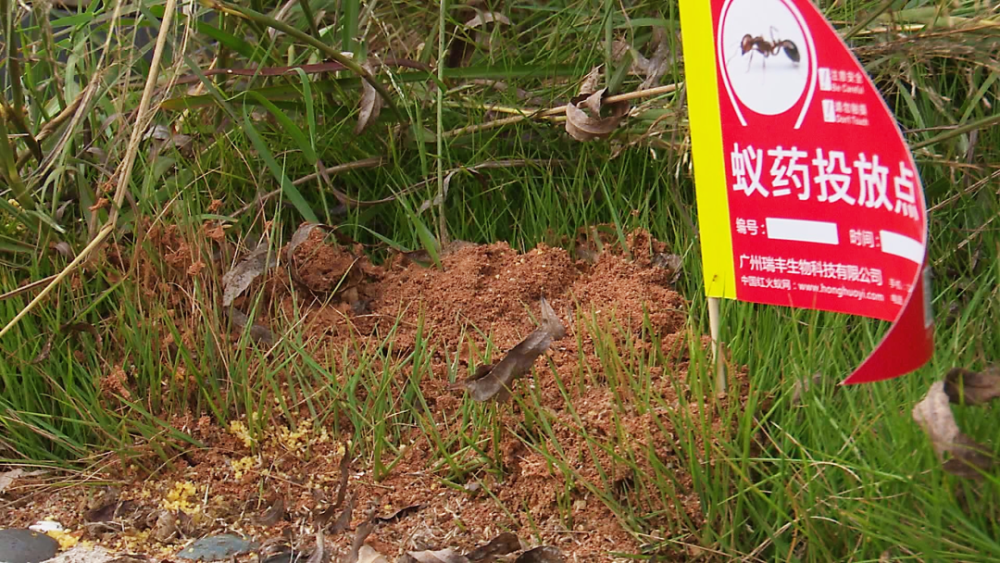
[(621, 318)]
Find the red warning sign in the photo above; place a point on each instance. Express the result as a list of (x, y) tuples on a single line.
[(824, 203)]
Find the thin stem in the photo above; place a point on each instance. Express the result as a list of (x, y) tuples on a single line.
[(552, 113), (9, 170), (984, 122), (868, 19), (327, 50), (442, 225), (310, 17)]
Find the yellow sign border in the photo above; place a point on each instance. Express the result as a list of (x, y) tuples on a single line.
[(697, 36)]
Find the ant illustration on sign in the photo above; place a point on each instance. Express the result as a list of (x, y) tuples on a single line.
[(766, 48)]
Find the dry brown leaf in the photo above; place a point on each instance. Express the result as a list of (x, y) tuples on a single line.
[(274, 514), (64, 250), (972, 388), (345, 469), (802, 386), (934, 415), (258, 333), (367, 554), (590, 82), (441, 556), (324, 516), (370, 104), (343, 521), (237, 280), (483, 18), (442, 195), (496, 382), (7, 478), (362, 533), (71, 329), (501, 545), (43, 354), (585, 127), (76, 328), (320, 554), (300, 236), (463, 45), (653, 68), (166, 526), (401, 513), (541, 554)]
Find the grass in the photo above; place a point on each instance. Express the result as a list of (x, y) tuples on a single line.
[(845, 475)]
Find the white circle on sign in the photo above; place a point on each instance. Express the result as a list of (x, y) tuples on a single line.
[(765, 55)]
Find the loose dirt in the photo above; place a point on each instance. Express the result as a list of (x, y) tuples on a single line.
[(484, 297)]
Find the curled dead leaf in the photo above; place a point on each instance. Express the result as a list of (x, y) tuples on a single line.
[(367, 554), (343, 521), (442, 195), (7, 478), (43, 354), (166, 526), (495, 381), (971, 387), (362, 533), (653, 68), (320, 553), (370, 104), (483, 18), (590, 82), (441, 556), (541, 554), (77, 328), (965, 458), (258, 333), (802, 386), (584, 126), (274, 514), (237, 280), (401, 513), (64, 249), (503, 544)]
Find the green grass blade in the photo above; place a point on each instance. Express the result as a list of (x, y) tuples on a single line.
[(290, 191), (289, 127)]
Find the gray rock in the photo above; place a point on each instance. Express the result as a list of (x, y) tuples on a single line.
[(25, 546), (217, 548), (80, 554)]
